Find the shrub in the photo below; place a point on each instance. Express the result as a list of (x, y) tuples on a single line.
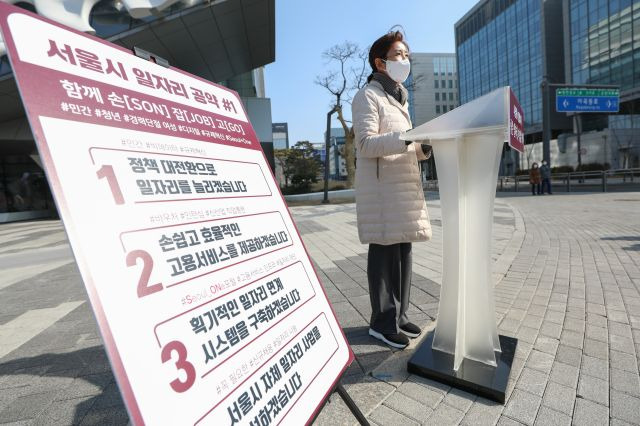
[(590, 167), (562, 169)]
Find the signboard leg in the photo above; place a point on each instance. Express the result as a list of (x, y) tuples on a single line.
[(351, 404), (348, 401)]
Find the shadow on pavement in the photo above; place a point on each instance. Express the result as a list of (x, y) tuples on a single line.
[(94, 386), (369, 352), (633, 247)]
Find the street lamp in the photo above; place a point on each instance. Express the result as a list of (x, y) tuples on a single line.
[(327, 148)]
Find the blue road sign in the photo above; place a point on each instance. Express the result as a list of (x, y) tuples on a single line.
[(587, 100)]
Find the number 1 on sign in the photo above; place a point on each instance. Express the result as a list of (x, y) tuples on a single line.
[(107, 173)]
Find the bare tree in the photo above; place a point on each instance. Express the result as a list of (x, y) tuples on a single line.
[(351, 63), (341, 84)]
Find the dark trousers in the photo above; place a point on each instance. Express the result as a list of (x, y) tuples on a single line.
[(546, 186), (535, 189), (389, 273)]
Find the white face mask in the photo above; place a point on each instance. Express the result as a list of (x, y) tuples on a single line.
[(398, 70)]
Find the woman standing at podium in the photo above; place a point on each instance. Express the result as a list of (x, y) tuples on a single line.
[(390, 203)]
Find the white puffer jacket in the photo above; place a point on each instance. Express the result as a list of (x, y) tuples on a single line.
[(389, 197)]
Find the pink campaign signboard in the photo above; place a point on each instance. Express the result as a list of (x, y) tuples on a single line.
[(209, 306), (516, 123)]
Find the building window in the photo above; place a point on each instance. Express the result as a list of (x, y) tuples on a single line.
[(443, 83), (444, 96), (437, 108), (450, 96), (444, 108), (435, 84), (450, 84), (437, 96)]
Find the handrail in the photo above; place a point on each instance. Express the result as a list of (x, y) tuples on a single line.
[(512, 183)]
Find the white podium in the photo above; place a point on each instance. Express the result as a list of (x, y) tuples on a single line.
[(465, 349)]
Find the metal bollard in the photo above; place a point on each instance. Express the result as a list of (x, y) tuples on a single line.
[(604, 181), (515, 179), (568, 182)]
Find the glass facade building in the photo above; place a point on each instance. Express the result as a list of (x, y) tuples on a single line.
[(522, 43), (205, 38), (499, 43), (605, 42), (518, 42)]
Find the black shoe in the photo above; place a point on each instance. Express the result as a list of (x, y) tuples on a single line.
[(411, 330), (398, 341)]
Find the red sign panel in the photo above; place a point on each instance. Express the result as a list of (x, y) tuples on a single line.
[(208, 303), (516, 123)]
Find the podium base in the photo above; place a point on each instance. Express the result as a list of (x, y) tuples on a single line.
[(472, 376)]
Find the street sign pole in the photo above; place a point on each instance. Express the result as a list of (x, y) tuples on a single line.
[(577, 119), (546, 122)]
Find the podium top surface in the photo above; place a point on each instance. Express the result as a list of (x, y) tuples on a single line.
[(486, 114)]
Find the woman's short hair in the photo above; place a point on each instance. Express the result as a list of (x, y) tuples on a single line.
[(381, 46)]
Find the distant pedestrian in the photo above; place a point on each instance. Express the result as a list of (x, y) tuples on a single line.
[(545, 173), (390, 204), (534, 179), (20, 190)]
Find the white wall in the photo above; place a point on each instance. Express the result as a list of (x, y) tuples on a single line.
[(609, 146)]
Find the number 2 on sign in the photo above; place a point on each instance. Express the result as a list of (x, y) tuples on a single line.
[(144, 289), (181, 364), (107, 173)]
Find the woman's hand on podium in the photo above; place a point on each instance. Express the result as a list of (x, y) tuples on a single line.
[(426, 149)]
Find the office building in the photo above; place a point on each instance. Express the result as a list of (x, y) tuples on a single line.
[(522, 43), (280, 135), (511, 43), (223, 41), (337, 163), (600, 46), (433, 85)]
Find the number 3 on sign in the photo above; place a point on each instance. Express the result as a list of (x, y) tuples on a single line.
[(181, 364)]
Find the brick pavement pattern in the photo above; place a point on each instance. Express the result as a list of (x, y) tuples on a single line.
[(567, 285)]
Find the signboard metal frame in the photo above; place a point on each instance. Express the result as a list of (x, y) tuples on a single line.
[(55, 125)]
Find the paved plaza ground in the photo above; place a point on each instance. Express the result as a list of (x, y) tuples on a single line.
[(567, 285)]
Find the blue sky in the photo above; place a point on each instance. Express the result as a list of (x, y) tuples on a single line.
[(305, 29)]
